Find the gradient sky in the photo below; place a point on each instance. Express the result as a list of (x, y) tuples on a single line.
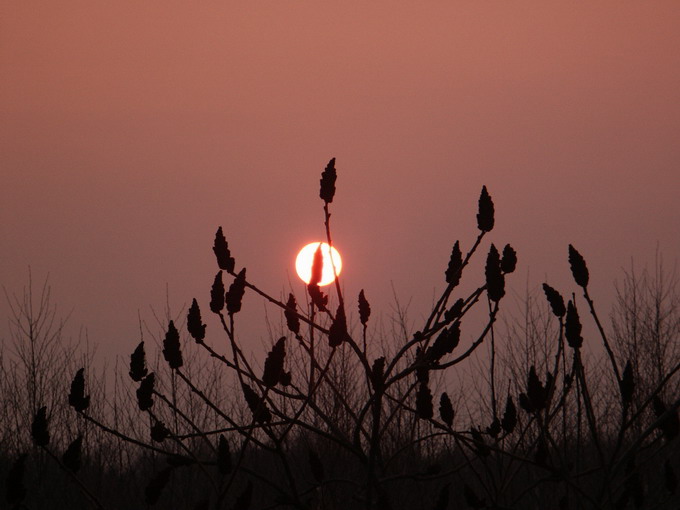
[(130, 130)]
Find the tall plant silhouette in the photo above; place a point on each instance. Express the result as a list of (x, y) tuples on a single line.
[(327, 420)]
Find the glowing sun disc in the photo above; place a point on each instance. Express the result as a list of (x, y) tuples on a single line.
[(305, 259)]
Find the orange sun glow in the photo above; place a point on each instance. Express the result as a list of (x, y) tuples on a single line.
[(305, 259)]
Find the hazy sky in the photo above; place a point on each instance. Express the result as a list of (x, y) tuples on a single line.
[(130, 130)]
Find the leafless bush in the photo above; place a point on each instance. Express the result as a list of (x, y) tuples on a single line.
[(331, 420)]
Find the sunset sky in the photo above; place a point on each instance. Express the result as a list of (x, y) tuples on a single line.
[(129, 131)]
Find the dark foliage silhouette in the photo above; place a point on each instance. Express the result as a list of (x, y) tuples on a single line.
[(339, 413)]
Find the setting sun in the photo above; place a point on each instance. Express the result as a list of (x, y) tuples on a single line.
[(305, 259)]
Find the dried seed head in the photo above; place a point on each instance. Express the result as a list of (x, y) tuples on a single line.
[(138, 363), (171, 348), (423, 369), (285, 379), (509, 260), (446, 412), (455, 311), (221, 248), (39, 431), (317, 267), (536, 392), (327, 182), (71, 457), (145, 392), (256, 404), (423, 374), (235, 294), (555, 299), (445, 343), (509, 421), (627, 384), (195, 323), (159, 432), (337, 333), (378, 373), (76, 397), (290, 312), (572, 327), (273, 365), (364, 308), (424, 408), (485, 220), (495, 281), (319, 299), (578, 267), (525, 403), (453, 271), (495, 428), (217, 294)]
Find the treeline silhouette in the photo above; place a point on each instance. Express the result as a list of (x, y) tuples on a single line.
[(343, 415)]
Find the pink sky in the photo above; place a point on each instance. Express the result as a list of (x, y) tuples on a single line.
[(130, 131)]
